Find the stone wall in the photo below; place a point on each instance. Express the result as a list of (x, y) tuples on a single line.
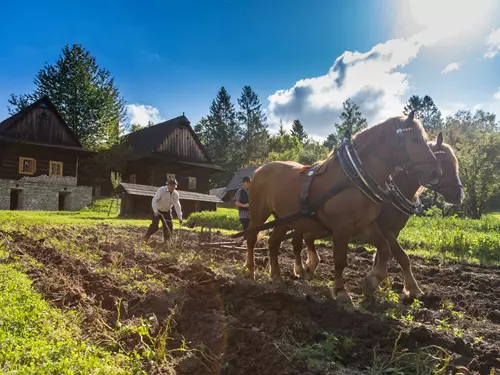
[(44, 196)]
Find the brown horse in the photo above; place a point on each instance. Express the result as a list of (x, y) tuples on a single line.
[(391, 221), (276, 188)]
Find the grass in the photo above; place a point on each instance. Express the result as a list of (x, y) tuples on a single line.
[(451, 237), (38, 339)]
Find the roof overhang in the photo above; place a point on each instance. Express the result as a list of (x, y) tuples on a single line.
[(150, 191), (80, 150)]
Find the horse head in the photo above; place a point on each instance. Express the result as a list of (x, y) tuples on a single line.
[(411, 150), (449, 184)]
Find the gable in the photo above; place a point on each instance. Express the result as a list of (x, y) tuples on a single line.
[(183, 143), (39, 123)]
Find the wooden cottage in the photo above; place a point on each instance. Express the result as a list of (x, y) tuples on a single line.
[(39, 156), (158, 152)]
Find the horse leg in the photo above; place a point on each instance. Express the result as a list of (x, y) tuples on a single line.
[(380, 267), (340, 247), (298, 269), (312, 257), (258, 216), (411, 287), (274, 246)]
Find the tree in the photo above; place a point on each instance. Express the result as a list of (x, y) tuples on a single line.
[(253, 122), (312, 152), (85, 95), (476, 141), (281, 147), (331, 141), (135, 127), (298, 131), (426, 111), (351, 119), (219, 132), (281, 129)]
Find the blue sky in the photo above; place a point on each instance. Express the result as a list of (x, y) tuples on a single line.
[(303, 58)]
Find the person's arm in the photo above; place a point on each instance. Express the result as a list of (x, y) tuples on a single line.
[(154, 201), (177, 205), (237, 202)]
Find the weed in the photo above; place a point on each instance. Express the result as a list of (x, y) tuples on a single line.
[(426, 361)]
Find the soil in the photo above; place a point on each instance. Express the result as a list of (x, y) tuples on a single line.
[(235, 326)]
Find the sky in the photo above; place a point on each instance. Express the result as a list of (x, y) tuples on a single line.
[(303, 58)]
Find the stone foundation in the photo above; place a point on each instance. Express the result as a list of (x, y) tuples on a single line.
[(44, 195)]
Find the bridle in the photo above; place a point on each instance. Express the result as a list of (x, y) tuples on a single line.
[(439, 186)]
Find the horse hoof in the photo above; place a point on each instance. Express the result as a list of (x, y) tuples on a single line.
[(249, 274), (299, 272), (344, 299), (413, 293)]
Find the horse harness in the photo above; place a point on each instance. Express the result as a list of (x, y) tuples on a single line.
[(353, 168)]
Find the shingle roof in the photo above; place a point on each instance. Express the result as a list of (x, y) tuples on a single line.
[(219, 192), (150, 191), (235, 182)]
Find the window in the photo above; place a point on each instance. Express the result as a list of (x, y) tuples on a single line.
[(27, 165), (55, 168), (132, 178), (192, 183), (170, 175)]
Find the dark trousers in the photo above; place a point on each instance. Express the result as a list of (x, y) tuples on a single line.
[(166, 222), (245, 223)]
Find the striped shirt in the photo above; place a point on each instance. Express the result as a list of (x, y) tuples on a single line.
[(243, 214)]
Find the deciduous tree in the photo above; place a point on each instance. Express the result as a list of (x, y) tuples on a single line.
[(85, 95)]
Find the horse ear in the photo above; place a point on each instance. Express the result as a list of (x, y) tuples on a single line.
[(347, 134), (439, 139), (411, 116)]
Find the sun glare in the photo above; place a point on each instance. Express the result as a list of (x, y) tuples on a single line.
[(449, 18)]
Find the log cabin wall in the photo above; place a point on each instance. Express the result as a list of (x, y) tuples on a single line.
[(156, 175), (10, 154)]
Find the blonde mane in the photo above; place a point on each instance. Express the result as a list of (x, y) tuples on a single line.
[(380, 131)]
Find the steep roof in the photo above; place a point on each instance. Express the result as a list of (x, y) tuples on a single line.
[(150, 191), (43, 101), (146, 140), (235, 182)]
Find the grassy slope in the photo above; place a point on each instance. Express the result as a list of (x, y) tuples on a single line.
[(38, 339)]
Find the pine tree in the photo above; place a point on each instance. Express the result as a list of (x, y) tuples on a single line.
[(253, 123), (219, 132), (426, 111), (298, 131), (281, 129), (352, 120), (85, 95)]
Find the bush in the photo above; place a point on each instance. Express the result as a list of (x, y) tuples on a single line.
[(223, 218)]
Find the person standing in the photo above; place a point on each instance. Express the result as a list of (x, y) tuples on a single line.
[(241, 201), (162, 203)]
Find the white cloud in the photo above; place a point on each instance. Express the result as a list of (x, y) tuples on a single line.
[(450, 68), (497, 94), (371, 79), (141, 114), (493, 43)]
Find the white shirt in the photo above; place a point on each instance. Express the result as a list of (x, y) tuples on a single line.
[(164, 200)]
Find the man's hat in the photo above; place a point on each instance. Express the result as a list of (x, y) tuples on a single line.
[(246, 179), (172, 181)]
